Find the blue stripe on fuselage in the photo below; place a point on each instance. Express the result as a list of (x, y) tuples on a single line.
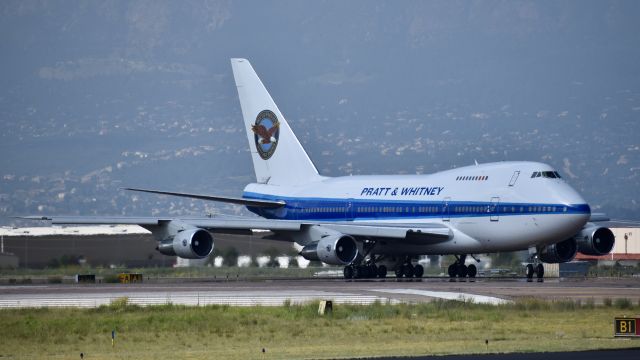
[(335, 209)]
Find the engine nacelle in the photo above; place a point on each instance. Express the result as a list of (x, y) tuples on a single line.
[(191, 243), (561, 252), (595, 240), (334, 250)]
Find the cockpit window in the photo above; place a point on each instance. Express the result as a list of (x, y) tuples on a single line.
[(546, 174)]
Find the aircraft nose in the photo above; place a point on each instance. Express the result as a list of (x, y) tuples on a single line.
[(573, 203), (566, 195)]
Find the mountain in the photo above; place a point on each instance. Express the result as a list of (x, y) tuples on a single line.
[(101, 95)]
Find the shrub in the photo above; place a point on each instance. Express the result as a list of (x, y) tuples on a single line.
[(623, 303)]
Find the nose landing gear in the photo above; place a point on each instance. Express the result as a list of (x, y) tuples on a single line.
[(537, 269)]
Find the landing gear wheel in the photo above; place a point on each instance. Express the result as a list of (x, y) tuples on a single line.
[(529, 272), (472, 271), (348, 272), (418, 271), (462, 271), (540, 272), (453, 270), (382, 271), (399, 272), (407, 271), (372, 271)]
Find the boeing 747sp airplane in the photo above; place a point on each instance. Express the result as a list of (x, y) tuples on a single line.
[(371, 224)]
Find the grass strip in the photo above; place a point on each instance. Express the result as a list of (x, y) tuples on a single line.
[(298, 332)]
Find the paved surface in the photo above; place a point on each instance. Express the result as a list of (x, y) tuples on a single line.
[(276, 292), (622, 354)]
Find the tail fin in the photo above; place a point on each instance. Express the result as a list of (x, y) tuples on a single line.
[(278, 158)]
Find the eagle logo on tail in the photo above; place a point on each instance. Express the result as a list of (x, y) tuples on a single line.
[(265, 136), (266, 132)]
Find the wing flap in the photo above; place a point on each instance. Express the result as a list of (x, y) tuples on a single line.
[(431, 233)]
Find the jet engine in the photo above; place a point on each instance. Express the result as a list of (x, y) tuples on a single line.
[(595, 240), (561, 252), (193, 243), (336, 249)]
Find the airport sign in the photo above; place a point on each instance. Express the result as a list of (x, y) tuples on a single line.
[(626, 327)]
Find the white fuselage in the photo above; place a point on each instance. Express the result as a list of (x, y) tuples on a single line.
[(489, 207)]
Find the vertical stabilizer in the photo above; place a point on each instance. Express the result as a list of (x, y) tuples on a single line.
[(278, 158)]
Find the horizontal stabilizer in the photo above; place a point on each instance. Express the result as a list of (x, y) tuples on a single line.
[(232, 200)]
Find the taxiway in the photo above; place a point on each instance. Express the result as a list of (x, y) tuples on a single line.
[(277, 292)]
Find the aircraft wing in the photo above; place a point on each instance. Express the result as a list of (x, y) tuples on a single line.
[(232, 200), (598, 217), (431, 233), (209, 223)]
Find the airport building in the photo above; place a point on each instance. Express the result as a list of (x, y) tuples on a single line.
[(108, 246)]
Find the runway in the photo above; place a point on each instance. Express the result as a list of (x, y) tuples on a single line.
[(618, 354), (277, 292)]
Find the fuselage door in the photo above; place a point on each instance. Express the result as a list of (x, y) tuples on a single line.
[(349, 210), (445, 208), (493, 209), (514, 177)]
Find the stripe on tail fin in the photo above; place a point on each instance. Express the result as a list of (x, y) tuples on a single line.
[(278, 157)]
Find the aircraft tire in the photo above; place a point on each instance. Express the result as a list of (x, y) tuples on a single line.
[(372, 271), (540, 271), (348, 272), (529, 271), (418, 271), (472, 271), (453, 270), (407, 271), (462, 271), (399, 272), (382, 271)]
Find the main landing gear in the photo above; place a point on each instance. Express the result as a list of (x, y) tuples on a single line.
[(535, 269), (407, 270), (369, 270), (459, 269), (365, 271)]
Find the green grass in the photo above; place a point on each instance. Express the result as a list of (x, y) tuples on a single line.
[(440, 327)]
